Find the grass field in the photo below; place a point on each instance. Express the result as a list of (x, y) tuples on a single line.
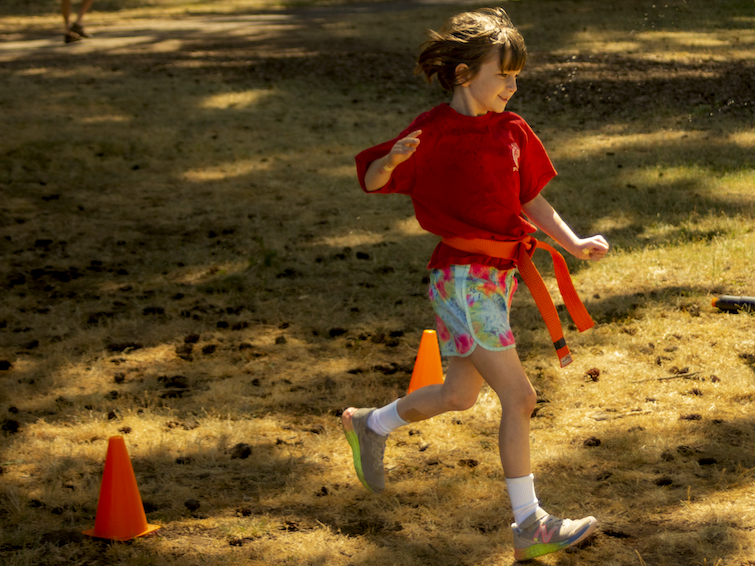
[(186, 260)]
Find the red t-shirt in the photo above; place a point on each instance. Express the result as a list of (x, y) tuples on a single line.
[(468, 178)]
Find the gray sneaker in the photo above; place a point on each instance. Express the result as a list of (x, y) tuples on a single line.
[(541, 533), (367, 446)]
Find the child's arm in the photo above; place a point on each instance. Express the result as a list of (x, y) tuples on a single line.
[(379, 172), (542, 215)]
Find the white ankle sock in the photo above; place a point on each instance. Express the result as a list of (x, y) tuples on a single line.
[(522, 495), (385, 420)]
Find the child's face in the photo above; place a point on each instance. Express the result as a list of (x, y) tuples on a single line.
[(488, 91)]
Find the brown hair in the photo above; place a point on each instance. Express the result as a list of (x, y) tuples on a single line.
[(470, 38)]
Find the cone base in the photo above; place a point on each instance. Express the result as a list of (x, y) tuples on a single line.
[(93, 533)]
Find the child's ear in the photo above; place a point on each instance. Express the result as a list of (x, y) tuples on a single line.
[(462, 74)]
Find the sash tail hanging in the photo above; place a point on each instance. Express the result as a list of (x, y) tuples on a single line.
[(520, 252)]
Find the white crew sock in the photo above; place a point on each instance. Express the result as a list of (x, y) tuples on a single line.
[(522, 495), (385, 420)]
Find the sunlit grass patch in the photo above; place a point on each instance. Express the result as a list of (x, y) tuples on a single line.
[(187, 261)]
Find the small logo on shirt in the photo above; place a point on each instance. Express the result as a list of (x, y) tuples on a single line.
[(515, 153)]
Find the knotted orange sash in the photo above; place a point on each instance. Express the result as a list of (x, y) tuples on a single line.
[(521, 252)]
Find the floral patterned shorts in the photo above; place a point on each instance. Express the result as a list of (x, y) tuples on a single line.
[(471, 304)]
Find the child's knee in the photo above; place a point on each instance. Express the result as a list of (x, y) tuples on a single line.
[(523, 404), (528, 403), (460, 400)]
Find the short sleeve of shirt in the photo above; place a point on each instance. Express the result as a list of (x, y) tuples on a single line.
[(535, 167)]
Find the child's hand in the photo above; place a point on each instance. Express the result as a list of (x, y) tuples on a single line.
[(404, 148), (593, 248), (379, 172)]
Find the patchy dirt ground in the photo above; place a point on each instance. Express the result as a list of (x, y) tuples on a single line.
[(186, 260)]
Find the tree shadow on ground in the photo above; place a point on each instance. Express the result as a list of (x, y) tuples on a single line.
[(670, 478), (663, 475), (110, 300)]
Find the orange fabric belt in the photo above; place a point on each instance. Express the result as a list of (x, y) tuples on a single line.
[(521, 253)]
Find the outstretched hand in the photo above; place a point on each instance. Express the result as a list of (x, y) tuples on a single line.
[(593, 248), (404, 148), (379, 172)]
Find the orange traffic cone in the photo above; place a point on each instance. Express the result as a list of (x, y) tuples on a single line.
[(120, 513), (427, 367)]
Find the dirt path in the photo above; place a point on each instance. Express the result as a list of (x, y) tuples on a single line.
[(145, 35), (165, 34)]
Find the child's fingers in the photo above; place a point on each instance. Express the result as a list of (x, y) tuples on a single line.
[(406, 145), (599, 242), (595, 248), (404, 149), (595, 255), (412, 139)]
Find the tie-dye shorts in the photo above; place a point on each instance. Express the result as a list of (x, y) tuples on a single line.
[(471, 304)]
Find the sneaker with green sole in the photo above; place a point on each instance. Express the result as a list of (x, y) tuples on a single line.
[(367, 447), (541, 533)]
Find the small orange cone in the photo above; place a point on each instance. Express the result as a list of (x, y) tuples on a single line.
[(120, 513), (427, 367)]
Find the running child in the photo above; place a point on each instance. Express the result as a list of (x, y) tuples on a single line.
[(472, 171)]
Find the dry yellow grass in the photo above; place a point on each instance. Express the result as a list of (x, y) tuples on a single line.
[(186, 260)]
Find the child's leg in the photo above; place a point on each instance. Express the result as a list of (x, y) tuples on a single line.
[(76, 30), (83, 9), (368, 429), (458, 392), (503, 371), (535, 532), (65, 8)]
